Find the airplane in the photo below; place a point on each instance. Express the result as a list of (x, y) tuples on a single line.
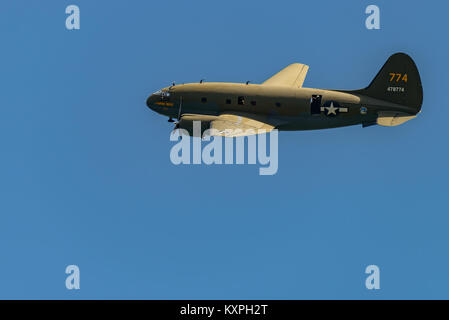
[(393, 97)]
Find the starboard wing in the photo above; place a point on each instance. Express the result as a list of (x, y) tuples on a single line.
[(291, 76)]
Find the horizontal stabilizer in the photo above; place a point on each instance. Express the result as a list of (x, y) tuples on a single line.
[(391, 118)]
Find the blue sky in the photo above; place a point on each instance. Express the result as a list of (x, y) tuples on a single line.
[(86, 177)]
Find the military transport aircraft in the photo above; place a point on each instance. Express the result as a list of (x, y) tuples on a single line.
[(281, 102)]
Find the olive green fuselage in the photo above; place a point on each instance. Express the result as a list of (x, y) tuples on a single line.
[(286, 108)]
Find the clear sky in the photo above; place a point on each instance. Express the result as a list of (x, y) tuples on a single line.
[(86, 179)]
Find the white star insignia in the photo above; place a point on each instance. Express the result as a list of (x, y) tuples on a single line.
[(331, 109)]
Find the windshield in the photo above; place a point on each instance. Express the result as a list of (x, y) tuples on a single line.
[(162, 93)]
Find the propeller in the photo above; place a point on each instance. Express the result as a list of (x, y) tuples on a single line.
[(179, 114)]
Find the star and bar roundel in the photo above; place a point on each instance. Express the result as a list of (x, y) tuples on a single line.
[(332, 108)]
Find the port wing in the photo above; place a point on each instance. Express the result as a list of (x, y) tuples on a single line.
[(226, 125), (233, 125)]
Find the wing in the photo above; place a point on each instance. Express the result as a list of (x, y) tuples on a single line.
[(187, 123), (227, 125), (291, 76), (233, 125)]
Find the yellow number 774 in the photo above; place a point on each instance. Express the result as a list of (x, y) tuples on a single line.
[(398, 77)]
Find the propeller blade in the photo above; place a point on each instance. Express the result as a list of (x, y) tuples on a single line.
[(180, 106), (179, 114)]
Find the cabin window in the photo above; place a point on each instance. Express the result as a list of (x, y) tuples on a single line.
[(241, 100), (278, 104), (203, 100), (253, 103), (228, 101)]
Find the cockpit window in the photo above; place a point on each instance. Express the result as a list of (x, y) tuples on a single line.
[(164, 95)]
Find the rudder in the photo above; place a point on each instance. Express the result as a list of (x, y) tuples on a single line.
[(398, 81)]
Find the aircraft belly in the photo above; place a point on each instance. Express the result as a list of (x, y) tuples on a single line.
[(319, 122)]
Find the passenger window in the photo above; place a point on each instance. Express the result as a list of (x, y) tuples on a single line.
[(228, 101), (203, 100), (241, 100), (278, 104)]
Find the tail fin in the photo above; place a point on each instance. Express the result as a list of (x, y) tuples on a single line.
[(398, 81)]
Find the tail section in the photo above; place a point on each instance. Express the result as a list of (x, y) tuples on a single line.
[(398, 81)]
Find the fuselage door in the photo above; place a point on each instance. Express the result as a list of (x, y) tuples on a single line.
[(315, 104)]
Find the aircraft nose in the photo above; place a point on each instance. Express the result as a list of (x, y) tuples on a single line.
[(150, 101)]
